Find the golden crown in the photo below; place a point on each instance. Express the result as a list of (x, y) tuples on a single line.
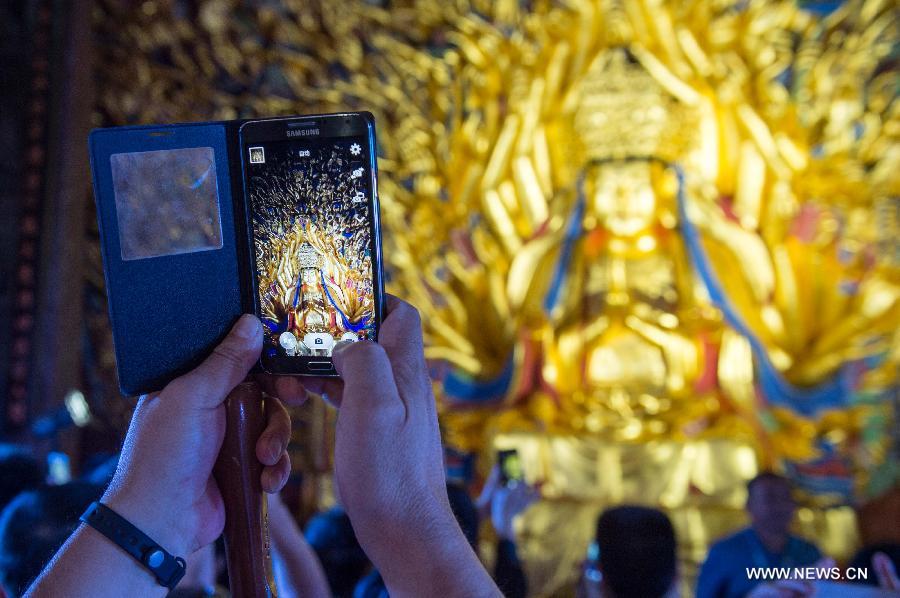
[(625, 111)]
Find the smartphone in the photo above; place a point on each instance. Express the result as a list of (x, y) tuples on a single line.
[(314, 236), (510, 466)]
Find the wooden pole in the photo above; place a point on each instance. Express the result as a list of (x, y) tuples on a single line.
[(237, 472)]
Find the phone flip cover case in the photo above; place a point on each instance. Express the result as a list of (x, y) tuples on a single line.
[(170, 227), (173, 233)]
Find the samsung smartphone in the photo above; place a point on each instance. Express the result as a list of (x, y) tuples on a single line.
[(312, 202), (510, 466)]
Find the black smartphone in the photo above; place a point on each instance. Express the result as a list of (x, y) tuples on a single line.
[(315, 237), (510, 466)]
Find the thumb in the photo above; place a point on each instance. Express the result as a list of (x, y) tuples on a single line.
[(228, 365)]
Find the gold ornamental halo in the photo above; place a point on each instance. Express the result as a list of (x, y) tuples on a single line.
[(490, 113)]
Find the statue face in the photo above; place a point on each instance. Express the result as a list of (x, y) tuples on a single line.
[(623, 198), (310, 276)]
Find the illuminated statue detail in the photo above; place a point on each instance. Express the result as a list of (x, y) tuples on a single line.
[(309, 298)]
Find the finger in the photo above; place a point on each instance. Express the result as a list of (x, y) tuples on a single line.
[(267, 384), (211, 381), (274, 440), (331, 389), (401, 337), (291, 390), (368, 379), (285, 388), (885, 572), (405, 348), (274, 477)]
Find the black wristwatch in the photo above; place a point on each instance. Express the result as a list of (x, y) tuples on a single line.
[(167, 569)]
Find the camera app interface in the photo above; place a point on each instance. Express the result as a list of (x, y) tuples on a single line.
[(312, 237)]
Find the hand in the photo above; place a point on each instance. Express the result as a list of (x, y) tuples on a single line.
[(164, 482), (885, 572), (507, 503), (503, 503), (389, 462), (384, 393), (388, 456)]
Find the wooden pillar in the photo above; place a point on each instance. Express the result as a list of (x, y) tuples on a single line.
[(58, 337)]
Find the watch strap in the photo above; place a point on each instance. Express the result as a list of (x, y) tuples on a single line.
[(167, 569)]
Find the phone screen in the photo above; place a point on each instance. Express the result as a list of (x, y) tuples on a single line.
[(312, 230)]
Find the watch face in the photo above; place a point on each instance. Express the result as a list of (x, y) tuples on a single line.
[(312, 226)]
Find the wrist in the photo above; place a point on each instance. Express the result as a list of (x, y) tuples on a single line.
[(430, 556), (156, 519)]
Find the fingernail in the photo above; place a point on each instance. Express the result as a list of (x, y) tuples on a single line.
[(274, 449), (247, 327)]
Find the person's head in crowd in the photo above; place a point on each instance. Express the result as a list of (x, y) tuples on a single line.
[(19, 471), (636, 553), (332, 538), (770, 504), (33, 527)]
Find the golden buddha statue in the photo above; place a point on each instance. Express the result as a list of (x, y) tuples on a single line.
[(623, 303)]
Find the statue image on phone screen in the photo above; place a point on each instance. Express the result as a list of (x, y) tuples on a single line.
[(312, 243)]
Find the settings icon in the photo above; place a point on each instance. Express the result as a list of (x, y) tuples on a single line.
[(355, 149)]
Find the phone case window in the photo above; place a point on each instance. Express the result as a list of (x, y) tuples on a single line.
[(167, 202)]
